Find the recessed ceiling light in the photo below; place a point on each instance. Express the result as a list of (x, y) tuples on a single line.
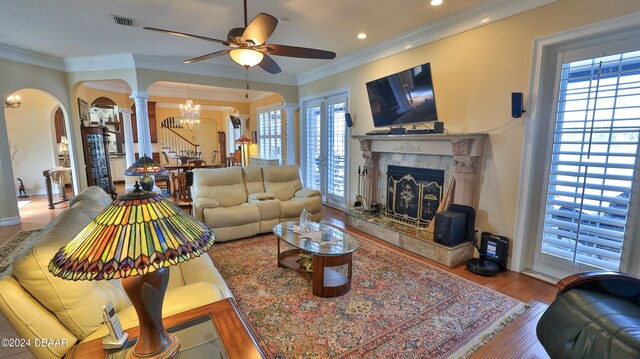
[(436, 2), (362, 36)]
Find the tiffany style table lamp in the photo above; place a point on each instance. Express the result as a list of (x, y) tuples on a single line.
[(135, 239), (143, 167)]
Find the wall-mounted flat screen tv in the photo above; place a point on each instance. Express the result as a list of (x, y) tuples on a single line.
[(403, 98)]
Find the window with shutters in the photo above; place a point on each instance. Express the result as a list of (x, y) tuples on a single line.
[(234, 134), (312, 152), (593, 161), (270, 133)]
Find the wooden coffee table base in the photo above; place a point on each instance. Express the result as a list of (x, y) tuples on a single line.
[(325, 281)]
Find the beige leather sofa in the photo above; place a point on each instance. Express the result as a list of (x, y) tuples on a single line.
[(238, 202), (41, 306)]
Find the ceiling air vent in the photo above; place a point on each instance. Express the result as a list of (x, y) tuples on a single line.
[(124, 21)]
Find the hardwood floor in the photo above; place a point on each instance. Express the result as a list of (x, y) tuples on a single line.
[(517, 340)]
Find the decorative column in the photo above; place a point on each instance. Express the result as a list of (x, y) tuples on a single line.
[(142, 120), (371, 167), (466, 171), (9, 214), (289, 133), (128, 137)]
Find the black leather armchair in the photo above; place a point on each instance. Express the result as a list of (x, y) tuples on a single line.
[(595, 315)]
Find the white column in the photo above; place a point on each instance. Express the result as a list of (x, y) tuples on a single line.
[(9, 214), (142, 120), (128, 137), (243, 125), (290, 135)]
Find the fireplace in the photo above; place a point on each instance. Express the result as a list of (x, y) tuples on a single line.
[(452, 156), (413, 194)]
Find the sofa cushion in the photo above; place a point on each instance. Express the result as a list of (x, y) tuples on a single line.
[(283, 181), (93, 193), (253, 179), (231, 216), (293, 207), (225, 185), (78, 305), (588, 324)]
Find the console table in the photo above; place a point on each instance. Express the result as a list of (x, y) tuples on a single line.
[(60, 176)]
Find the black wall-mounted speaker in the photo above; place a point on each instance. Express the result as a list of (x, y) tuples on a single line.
[(516, 104), (347, 118)]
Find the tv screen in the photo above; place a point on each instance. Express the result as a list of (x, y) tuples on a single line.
[(402, 98)]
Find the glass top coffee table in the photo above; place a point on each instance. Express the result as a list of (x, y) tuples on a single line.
[(326, 263)]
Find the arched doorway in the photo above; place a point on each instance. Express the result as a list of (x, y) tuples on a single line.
[(37, 134)]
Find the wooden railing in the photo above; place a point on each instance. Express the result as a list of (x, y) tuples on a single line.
[(176, 143)]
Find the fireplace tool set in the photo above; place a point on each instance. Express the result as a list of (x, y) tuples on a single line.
[(359, 199)]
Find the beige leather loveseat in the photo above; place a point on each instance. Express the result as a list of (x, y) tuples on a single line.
[(238, 202), (40, 306)]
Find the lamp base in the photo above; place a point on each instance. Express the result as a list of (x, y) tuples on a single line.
[(167, 352), (146, 293), (146, 182)]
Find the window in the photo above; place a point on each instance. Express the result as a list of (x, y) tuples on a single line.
[(234, 134), (593, 161), (270, 133)]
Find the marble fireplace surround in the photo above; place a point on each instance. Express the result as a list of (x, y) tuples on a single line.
[(459, 155), (463, 152)]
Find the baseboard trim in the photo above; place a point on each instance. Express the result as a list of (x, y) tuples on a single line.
[(10, 221)]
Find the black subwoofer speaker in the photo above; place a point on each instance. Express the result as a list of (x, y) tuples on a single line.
[(450, 228)]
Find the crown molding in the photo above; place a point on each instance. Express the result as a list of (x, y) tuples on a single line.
[(16, 54), (471, 18), (202, 107), (98, 63), (172, 64), (111, 86), (213, 95)]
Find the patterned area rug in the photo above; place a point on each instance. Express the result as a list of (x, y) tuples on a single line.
[(398, 307), (14, 245)]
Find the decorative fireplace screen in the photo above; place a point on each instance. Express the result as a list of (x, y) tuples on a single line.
[(413, 194)]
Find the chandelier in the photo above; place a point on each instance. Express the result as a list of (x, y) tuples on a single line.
[(190, 114), (13, 102)]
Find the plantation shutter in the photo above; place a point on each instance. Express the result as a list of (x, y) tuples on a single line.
[(594, 158), (313, 160), (270, 134), (336, 147)]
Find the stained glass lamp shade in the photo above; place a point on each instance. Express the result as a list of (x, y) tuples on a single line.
[(143, 167), (135, 239)]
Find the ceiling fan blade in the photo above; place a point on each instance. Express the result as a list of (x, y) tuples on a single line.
[(269, 65), (295, 51), (184, 34), (207, 56), (260, 28)]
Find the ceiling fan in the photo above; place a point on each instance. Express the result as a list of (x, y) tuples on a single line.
[(247, 45)]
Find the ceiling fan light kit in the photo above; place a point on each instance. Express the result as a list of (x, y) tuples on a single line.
[(246, 58), (247, 44)]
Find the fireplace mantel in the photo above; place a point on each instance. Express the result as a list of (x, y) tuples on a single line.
[(467, 150), (431, 144)]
